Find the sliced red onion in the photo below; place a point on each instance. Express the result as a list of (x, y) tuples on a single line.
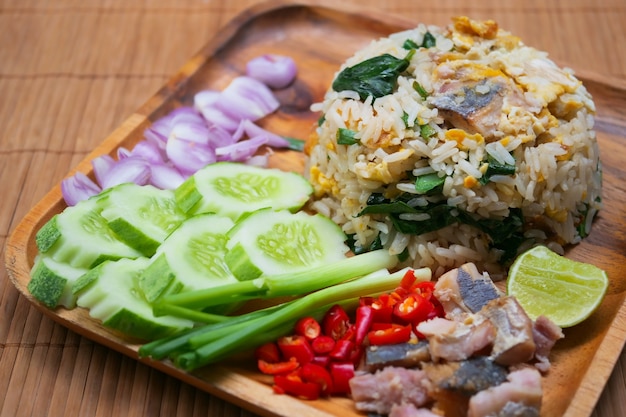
[(258, 160), (218, 136), (247, 98), (166, 177), (149, 151), (188, 156), (219, 126), (187, 115), (189, 132), (101, 166), (205, 102), (240, 132), (135, 170), (275, 71), (241, 150), (273, 140), (77, 188)]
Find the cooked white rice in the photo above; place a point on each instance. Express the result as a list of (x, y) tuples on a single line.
[(533, 115)]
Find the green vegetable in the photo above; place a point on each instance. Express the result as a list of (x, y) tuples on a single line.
[(376, 77), (346, 137), (233, 189), (496, 168), (586, 216), (267, 242), (429, 183), (109, 291), (141, 216), (427, 131), (80, 237), (284, 318), (428, 42), (51, 282), (410, 44), (295, 144), (189, 259), (287, 284), (356, 249), (505, 234), (420, 90), (176, 343)]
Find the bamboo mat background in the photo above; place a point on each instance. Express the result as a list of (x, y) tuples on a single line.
[(72, 70)]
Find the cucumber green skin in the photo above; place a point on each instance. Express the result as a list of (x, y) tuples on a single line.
[(110, 293), (49, 233), (141, 216), (179, 262), (158, 280), (134, 237), (249, 258), (252, 188), (51, 282), (132, 324), (88, 278), (239, 262), (80, 237), (187, 195)]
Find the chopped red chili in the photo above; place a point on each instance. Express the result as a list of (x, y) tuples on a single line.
[(341, 373), (296, 346), (335, 322), (408, 280), (342, 350), (308, 327), (425, 289), (276, 368), (317, 374), (413, 309), (321, 360), (382, 309), (393, 334), (322, 344), (294, 385), (363, 322), (268, 352)]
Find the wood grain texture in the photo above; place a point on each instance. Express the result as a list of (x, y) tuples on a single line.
[(75, 71)]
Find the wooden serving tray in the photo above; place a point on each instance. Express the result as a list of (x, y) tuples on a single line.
[(320, 39)]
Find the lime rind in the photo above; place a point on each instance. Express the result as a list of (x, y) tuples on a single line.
[(546, 283)]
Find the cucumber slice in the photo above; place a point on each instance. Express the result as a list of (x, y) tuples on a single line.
[(80, 237), (51, 282), (269, 242), (191, 258), (141, 216), (110, 293), (233, 189)]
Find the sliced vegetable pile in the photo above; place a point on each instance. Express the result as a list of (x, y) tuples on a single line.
[(209, 243), (319, 357), (220, 126)]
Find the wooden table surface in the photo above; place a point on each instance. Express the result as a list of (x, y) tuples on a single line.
[(72, 70)]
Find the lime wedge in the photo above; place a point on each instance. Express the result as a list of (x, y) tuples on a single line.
[(546, 283)]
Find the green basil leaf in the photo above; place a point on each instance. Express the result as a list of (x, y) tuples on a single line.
[(429, 183), (410, 44), (346, 137), (376, 77), (429, 40), (496, 168)]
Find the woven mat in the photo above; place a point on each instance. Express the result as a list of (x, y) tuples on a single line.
[(73, 70)]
